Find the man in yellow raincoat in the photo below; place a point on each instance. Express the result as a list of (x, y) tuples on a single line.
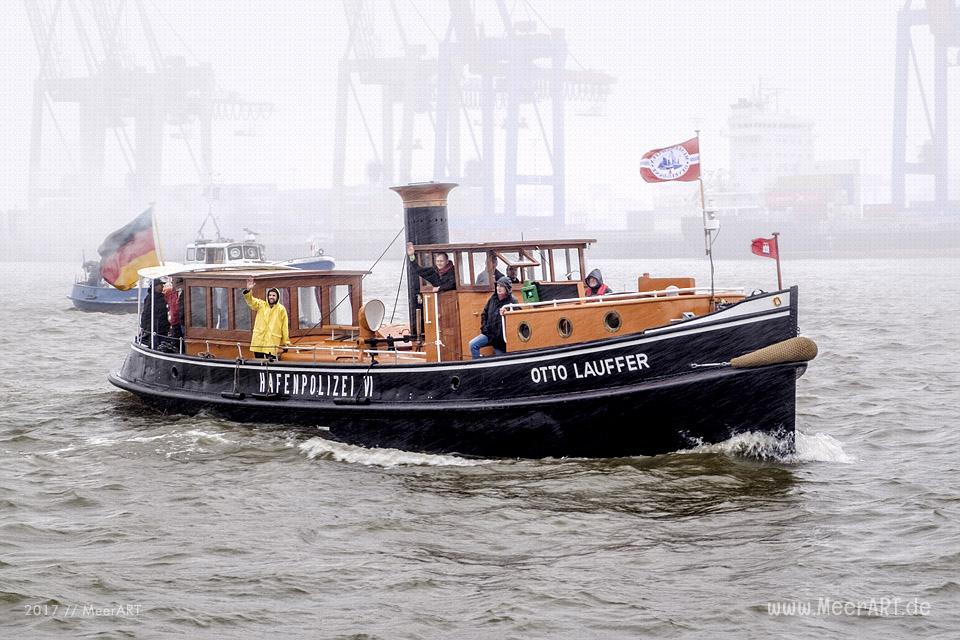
[(272, 328)]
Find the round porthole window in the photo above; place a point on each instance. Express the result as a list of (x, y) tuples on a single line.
[(524, 331), (612, 321), (235, 253), (564, 327)]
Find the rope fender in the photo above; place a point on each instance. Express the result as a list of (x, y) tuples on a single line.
[(799, 349)]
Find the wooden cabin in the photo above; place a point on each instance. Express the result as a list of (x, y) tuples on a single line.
[(326, 308), (323, 307), (552, 309)]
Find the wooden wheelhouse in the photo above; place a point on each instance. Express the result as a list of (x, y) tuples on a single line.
[(552, 309)]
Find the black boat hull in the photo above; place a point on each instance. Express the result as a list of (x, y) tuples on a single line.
[(635, 395)]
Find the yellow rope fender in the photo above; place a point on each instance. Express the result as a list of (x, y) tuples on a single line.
[(799, 349)]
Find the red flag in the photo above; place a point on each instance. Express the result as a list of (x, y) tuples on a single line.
[(679, 162), (127, 250), (765, 247)]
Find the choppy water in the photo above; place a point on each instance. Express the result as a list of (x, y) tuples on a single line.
[(118, 522)]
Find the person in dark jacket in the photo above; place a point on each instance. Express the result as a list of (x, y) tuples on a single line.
[(595, 285), (491, 320), (154, 324), (441, 275), (491, 267)]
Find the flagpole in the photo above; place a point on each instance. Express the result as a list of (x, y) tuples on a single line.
[(776, 245), (703, 209), (156, 233), (703, 201)]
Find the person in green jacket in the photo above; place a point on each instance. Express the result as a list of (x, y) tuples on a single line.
[(272, 328)]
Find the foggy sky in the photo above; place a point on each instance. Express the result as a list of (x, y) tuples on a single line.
[(678, 67)]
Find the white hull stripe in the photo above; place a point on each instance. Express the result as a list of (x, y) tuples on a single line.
[(422, 368)]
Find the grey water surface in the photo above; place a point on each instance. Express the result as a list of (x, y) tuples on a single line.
[(119, 522)]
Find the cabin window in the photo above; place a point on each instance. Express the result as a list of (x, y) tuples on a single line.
[(191, 254), (308, 299), (564, 327), (252, 253), (221, 310), (235, 252), (285, 297), (524, 331), (201, 254), (479, 268), (215, 255), (198, 306), (462, 265), (341, 305), (241, 313), (611, 321), (525, 263)]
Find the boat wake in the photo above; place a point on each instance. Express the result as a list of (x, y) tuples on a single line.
[(317, 447), (819, 447)]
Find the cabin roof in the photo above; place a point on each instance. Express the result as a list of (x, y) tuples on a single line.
[(269, 273), (238, 271), (507, 246)]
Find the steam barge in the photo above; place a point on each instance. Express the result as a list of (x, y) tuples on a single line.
[(665, 367)]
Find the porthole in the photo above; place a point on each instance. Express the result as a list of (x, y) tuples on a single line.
[(235, 253), (174, 373), (564, 327), (524, 331), (612, 321), (455, 383)]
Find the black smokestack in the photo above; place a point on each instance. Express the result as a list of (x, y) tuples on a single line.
[(425, 219)]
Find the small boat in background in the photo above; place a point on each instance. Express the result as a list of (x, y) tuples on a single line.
[(316, 262), (90, 292), (249, 251)]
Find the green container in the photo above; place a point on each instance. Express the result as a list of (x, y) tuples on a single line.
[(529, 292)]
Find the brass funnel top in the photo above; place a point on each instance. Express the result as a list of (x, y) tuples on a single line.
[(424, 194)]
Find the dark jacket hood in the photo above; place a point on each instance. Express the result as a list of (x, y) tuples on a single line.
[(505, 281), (594, 274)]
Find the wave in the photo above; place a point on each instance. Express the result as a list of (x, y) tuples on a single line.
[(317, 447), (819, 447)]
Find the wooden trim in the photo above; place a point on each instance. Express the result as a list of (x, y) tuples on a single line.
[(506, 246)]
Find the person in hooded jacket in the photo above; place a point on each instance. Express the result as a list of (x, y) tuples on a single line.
[(491, 320), (595, 284), (272, 327), (441, 275), (154, 324)]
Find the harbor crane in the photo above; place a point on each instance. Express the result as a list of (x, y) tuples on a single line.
[(115, 92), (943, 19)]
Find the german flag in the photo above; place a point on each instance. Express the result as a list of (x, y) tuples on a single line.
[(127, 250)]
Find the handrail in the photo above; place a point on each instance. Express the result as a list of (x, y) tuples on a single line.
[(619, 297)]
